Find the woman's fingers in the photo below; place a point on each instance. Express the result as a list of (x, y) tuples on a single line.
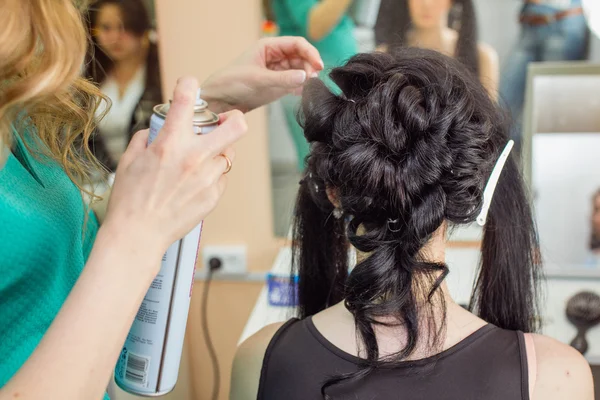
[(138, 143), (230, 153), (296, 47), (294, 63), (231, 128), (180, 174), (227, 156), (181, 112), (222, 185)]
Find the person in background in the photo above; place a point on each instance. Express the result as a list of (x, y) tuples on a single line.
[(551, 30), (447, 26), (124, 63), (402, 155), (593, 259), (326, 24), (70, 289)]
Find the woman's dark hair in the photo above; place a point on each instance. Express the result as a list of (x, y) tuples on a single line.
[(136, 20), (267, 9), (99, 65), (394, 23), (408, 145)]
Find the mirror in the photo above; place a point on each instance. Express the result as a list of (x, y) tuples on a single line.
[(563, 132), (566, 192), (123, 62), (592, 13), (510, 29)]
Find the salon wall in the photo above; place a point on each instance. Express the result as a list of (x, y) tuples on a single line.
[(196, 38), (498, 24)]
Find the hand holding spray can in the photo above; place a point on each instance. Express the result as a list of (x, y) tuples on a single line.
[(149, 362)]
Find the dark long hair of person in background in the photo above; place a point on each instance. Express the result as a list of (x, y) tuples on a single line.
[(394, 23), (595, 222), (136, 20), (268, 10), (408, 146)]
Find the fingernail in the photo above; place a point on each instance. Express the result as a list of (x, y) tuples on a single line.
[(300, 77), (322, 64), (314, 75)]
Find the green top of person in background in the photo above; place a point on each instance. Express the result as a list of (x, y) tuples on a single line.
[(325, 24)]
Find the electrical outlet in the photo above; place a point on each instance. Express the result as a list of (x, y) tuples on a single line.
[(233, 259)]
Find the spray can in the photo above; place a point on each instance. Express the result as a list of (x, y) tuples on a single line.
[(149, 362)]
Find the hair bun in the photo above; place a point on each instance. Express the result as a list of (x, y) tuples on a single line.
[(361, 74), (319, 109)]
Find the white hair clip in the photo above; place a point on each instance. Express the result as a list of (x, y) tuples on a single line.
[(488, 193)]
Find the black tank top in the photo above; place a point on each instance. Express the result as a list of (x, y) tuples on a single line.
[(490, 364)]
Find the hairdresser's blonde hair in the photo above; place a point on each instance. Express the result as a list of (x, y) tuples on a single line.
[(42, 49)]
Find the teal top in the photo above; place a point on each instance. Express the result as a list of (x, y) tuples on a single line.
[(43, 248), (336, 47)]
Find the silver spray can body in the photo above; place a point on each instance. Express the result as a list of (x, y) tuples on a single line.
[(149, 362)]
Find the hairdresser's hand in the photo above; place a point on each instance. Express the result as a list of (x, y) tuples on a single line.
[(162, 191), (273, 68)]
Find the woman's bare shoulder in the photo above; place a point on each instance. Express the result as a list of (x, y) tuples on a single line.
[(248, 362), (562, 372)]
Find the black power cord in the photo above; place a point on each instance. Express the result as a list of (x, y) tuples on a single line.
[(213, 265)]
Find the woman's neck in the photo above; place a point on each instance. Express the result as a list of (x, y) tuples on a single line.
[(439, 38), (125, 70), (439, 311)]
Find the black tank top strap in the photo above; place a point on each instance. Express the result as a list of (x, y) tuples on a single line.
[(524, 366), (269, 351)]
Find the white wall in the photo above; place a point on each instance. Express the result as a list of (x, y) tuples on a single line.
[(565, 176), (556, 291), (498, 24), (281, 146)]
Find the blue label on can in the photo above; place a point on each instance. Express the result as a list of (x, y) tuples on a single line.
[(120, 372), (156, 124)]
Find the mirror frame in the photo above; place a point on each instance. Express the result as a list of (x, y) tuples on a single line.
[(536, 70), (529, 128)]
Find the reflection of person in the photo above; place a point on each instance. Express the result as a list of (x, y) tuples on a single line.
[(125, 65), (551, 30), (325, 24), (430, 24), (63, 325), (595, 236), (404, 151), (593, 259)]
